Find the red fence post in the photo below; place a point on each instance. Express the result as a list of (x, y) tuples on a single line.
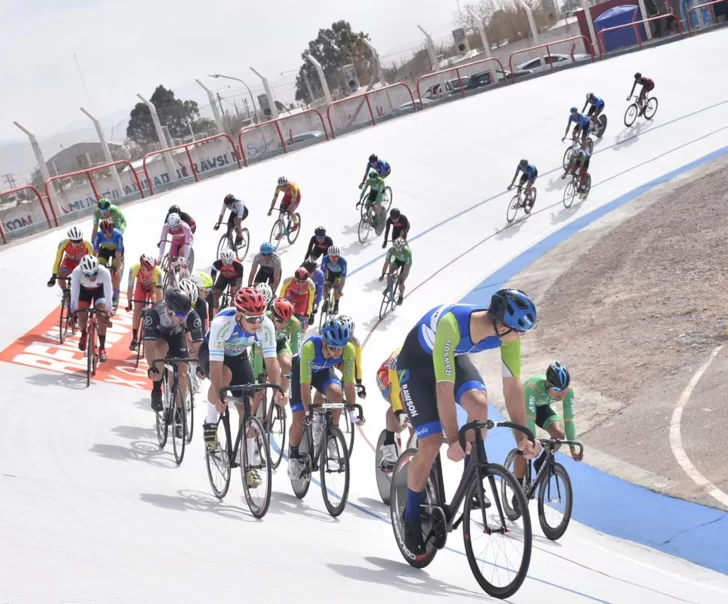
[(37, 193)]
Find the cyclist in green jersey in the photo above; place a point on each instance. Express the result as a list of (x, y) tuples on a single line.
[(376, 194), (399, 256), (105, 209), (541, 392)]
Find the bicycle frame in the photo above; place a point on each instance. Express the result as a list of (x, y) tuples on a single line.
[(549, 444), (329, 423)]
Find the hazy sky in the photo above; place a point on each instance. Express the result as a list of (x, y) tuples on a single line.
[(127, 47)]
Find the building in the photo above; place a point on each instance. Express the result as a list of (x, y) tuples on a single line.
[(80, 156)]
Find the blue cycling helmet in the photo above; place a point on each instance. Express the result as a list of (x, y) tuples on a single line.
[(573, 110), (558, 376), (514, 309), (336, 332), (266, 247)]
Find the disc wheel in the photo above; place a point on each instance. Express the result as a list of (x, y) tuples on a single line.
[(602, 126), (218, 460), (255, 470), (512, 209), (531, 201), (384, 478), (335, 472), (300, 485)]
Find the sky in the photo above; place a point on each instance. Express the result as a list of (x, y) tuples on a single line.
[(125, 47)]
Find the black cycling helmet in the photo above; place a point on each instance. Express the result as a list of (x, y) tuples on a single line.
[(590, 96), (177, 301), (394, 213), (229, 199), (174, 210), (523, 164), (372, 158), (557, 375), (309, 264), (320, 230), (637, 76)]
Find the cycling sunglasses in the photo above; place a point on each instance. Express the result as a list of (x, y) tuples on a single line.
[(550, 386), (254, 319), (334, 348), (171, 314)]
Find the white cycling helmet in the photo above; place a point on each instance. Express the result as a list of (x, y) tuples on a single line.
[(75, 234), (265, 289), (334, 251), (147, 261), (227, 256), (347, 320), (89, 265), (282, 181), (399, 243), (173, 220), (188, 286)]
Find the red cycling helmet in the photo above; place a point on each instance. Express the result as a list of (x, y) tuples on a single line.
[(106, 225), (283, 309), (301, 274), (249, 301)]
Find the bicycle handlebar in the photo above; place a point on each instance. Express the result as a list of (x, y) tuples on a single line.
[(174, 360), (489, 425), (349, 406), (552, 443), (246, 389)]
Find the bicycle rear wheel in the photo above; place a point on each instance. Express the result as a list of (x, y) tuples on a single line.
[(241, 251), (218, 460), (335, 472), (651, 108), (191, 260), (91, 356), (293, 235), (388, 198), (275, 427), (601, 129), (177, 419), (569, 194), (555, 501), (255, 469), (512, 209), (587, 186), (487, 526), (630, 115)]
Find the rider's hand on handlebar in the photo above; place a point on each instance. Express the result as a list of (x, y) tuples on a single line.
[(361, 185), (270, 212), (128, 308), (530, 451), (577, 454), (216, 227), (455, 451), (51, 281)]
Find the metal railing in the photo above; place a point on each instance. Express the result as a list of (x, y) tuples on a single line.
[(587, 47), (457, 71)]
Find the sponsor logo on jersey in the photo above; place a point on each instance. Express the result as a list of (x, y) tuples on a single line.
[(407, 398), (449, 371), (403, 375)]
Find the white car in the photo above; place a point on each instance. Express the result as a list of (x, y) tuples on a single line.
[(534, 65)]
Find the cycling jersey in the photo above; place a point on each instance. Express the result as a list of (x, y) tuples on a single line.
[(291, 192), (403, 256), (71, 254), (227, 338), (288, 341), (230, 271), (388, 381), (318, 279), (580, 120), (113, 242), (358, 371), (301, 295), (400, 227), (382, 168), (159, 325), (581, 157), (538, 397), (271, 261), (79, 280), (376, 185), (338, 268), (316, 248), (145, 278), (114, 213), (181, 238), (312, 360), (597, 103), (237, 209), (529, 173)]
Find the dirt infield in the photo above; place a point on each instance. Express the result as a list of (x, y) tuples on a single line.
[(634, 304)]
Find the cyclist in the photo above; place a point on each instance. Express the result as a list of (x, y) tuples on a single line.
[(145, 283), (581, 127), (396, 418), (301, 292), (165, 335), (105, 209), (436, 373), (647, 85), (69, 254), (380, 166), (227, 271), (579, 160), (319, 243), (399, 257), (317, 276), (361, 390), (199, 305), (184, 217), (109, 243), (238, 213), (334, 267), (224, 359), (268, 265), (400, 226), (90, 282), (376, 195), (291, 198), (182, 238), (314, 368), (529, 176), (596, 108), (541, 392), (204, 284)]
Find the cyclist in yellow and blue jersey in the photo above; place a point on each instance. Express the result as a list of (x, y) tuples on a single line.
[(109, 243), (69, 254)]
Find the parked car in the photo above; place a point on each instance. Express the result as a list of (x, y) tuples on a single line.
[(408, 107), (557, 60)]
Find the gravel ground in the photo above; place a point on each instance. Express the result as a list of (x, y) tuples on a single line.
[(634, 307)]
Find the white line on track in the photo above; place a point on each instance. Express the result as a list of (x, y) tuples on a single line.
[(676, 439)]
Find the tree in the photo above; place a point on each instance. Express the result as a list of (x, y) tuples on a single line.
[(334, 47), (571, 5), (173, 113)]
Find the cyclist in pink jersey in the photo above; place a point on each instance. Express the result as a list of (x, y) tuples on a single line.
[(181, 236)]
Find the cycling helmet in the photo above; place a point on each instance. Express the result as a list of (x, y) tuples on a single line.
[(106, 225), (573, 110), (523, 164), (637, 76), (227, 256), (394, 213), (189, 287), (173, 220), (89, 265), (301, 274), (205, 281), (335, 333), (174, 210), (103, 204), (590, 96), (514, 309), (250, 301), (282, 181), (267, 292), (177, 301), (229, 199), (372, 158), (558, 376), (75, 234), (334, 251), (309, 264), (347, 320), (266, 248), (399, 243), (373, 174), (320, 231), (147, 261), (283, 309)]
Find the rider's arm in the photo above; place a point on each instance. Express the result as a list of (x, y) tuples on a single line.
[(59, 256), (276, 277), (222, 213), (386, 229), (530, 395), (97, 243), (307, 355), (631, 92), (569, 424), (447, 337), (253, 270), (132, 278), (385, 268), (163, 242), (347, 372), (311, 295), (286, 284), (342, 262), (216, 266), (295, 334), (273, 202), (121, 220), (512, 386), (106, 282), (75, 288), (405, 227), (357, 363), (518, 169)]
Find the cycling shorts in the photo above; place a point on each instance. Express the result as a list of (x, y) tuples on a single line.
[(321, 379)]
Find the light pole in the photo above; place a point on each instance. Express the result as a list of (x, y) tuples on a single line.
[(252, 99)]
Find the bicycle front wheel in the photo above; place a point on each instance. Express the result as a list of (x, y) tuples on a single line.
[(256, 468), (189, 412), (301, 484), (218, 459), (349, 432), (555, 501), (512, 209), (387, 199), (335, 472), (489, 532), (566, 160), (569, 194), (384, 306), (179, 439), (224, 244), (651, 108), (630, 115), (364, 227), (65, 317), (276, 233)]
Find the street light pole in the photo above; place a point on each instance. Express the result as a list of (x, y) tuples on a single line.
[(252, 99)]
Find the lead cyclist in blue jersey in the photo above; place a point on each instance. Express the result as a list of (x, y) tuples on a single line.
[(381, 166), (436, 373), (582, 125), (597, 106), (530, 173)]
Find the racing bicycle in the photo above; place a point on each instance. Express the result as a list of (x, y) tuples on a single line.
[(390, 293), (66, 321), (387, 198), (229, 241), (284, 227), (182, 421), (572, 188), (369, 220), (647, 109), (519, 201)]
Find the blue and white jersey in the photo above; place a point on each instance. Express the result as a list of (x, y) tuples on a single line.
[(338, 268), (580, 119), (227, 339), (597, 103), (237, 209), (381, 166)]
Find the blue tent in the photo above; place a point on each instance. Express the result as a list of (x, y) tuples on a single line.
[(619, 15)]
